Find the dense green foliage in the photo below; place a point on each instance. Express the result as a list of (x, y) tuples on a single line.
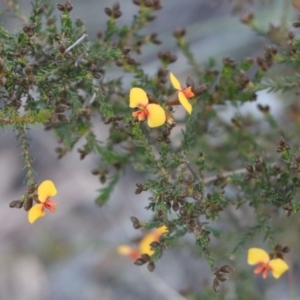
[(197, 174)]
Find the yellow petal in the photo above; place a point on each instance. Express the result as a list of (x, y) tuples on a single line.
[(184, 102), (163, 229), (124, 250), (175, 82), (257, 255), (35, 212), (144, 246), (46, 190), (156, 115), (137, 97), (278, 266)]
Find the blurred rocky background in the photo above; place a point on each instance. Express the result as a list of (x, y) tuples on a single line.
[(72, 254)]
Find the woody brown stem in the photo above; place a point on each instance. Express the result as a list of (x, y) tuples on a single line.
[(173, 100)]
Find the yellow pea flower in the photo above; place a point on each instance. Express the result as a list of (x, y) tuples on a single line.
[(183, 94), (260, 257), (45, 190), (144, 245), (154, 113)]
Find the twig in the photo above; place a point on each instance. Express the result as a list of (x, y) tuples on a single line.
[(80, 40), (26, 156), (224, 175), (187, 163)]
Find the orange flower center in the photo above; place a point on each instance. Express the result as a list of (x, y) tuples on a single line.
[(263, 268), (142, 113), (134, 254), (49, 205), (188, 92)]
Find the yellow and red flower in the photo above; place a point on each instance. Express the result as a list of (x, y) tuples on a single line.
[(183, 93), (144, 245), (45, 190), (154, 113), (260, 257)]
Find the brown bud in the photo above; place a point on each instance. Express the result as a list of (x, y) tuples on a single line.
[(95, 172), (145, 257), (139, 262), (16, 204), (249, 168), (137, 225), (136, 2), (116, 6), (31, 189), (216, 285), (102, 178), (190, 82), (222, 277), (60, 7), (119, 63), (68, 55), (282, 142), (258, 166), (28, 203), (185, 192), (68, 6), (108, 11), (151, 266), (286, 249), (61, 48), (154, 245), (28, 70), (179, 33), (226, 269), (117, 14), (134, 219), (138, 191), (247, 18), (61, 108), (97, 75), (63, 118), (192, 223), (126, 50), (175, 206), (197, 195), (182, 211), (296, 24), (291, 35), (195, 214)]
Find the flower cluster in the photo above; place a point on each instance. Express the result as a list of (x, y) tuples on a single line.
[(155, 114)]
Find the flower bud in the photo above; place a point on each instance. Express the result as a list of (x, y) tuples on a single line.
[(151, 266)]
